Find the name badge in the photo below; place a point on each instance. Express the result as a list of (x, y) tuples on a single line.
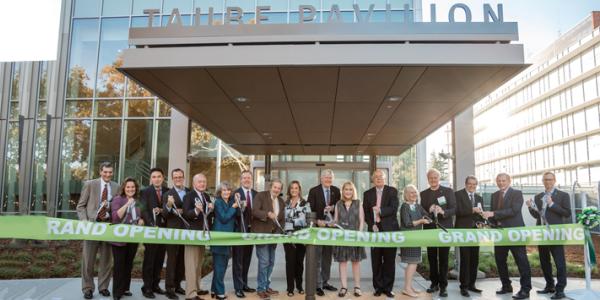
[(413, 207), (441, 200), (289, 226)]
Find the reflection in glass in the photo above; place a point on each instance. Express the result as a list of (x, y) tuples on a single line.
[(87, 8), (111, 8), (15, 79), (109, 108), (138, 150), (39, 200), (82, 63), (307, 177), (43, 87), (135, 90), (113, 39), (75, 153), (232, 164), (106, 144), (203, 154), (78, 108), (184, 6), (10, 197), (164, 109), (140, 5), (140, 108), (162, 145)]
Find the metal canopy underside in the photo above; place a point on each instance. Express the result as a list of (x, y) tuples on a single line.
[(322, 98)]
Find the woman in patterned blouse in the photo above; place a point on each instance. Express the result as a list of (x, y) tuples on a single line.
[(296, 210)]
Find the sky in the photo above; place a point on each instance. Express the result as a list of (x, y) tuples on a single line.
[(540, 23)]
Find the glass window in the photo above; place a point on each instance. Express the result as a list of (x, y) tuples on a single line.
[(112, 8), (343, 5), (575, 67), (204, 5), (592, 118), (559, 156), (162, 144), (577, 94), (581, 154), (579, 119), (140, 108), (78, 108), (164, 109), (113, 39), (43, 87), (109, 108), (587, 60), (594, 145), (87, 8), (136, 90), (74, 162), (39, 199), (595, 174), (203, 154), (106, 144), (184, 6), (583, 175), (232, 164), (42, 109), (10, 197), (276, 6), (82, 61), (140, 5), (14, 83), (138, 150), (143, 21), (185, 20), (379, 4), (590, 89)]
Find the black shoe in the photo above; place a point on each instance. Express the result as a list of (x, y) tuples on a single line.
[(464, 293), (301, 291), (88, 294), (148, 294), (158, 290), (433, 288), (474, 289), (171, 294), (105, 293), (240, 294), (504, 290), (443, 292), (248, 290), (116, 298), (329, 287), (320, 292), (179, 291), (127, 293), (558, 295), (202, 292), (521, 295), (547, 290), (389, 294)]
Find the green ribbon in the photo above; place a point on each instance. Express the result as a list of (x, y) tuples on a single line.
[(589, 243), (589, 218), (45, 228)]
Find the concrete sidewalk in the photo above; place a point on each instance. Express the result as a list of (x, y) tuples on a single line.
[(70, 288)]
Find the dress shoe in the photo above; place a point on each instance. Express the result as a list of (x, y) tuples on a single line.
[(464, 293), (377, 293), (271, 291), (300, 291), (221, 297), (389, 294), (194, 298), (320, 292), (105, 293), (433, 288), (116, 298), (263, 295), (179, 291), (88, 294), (521, 295), (443, 292), (171, 294), (127, 293), (201, 292), (474, 290), (546, 290), (504, 290), (248, 290), (329, 287), (158, 290), (558, 295), (240, 294), (148, 294)]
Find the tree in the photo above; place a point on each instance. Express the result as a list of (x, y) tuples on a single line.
[(439, 163)]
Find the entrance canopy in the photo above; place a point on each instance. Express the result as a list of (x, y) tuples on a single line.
[(323, 88)]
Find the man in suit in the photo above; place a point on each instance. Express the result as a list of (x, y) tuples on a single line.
[(95, 194), (173, 214), (506, 212), (468, 211), (380, 205), (196, 205), (268, 212), (552, 207), (242, 255), (154, 254), (322, 198), (439, 201)]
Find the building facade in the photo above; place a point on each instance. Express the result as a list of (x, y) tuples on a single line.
[(549, 114)]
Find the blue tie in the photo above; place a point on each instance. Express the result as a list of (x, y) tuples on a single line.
[(327, 197)]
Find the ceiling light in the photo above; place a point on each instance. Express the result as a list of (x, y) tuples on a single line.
[(241, 99), (394, 98)]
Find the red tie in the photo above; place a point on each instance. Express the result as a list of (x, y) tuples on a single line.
[(158, 194), (248, 200), (105, 192)]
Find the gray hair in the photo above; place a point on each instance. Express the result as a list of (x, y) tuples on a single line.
[(327, 172), (378, 171), (503, 174), (434, 170), (198, 176), (407, 189), (275, 180), (224, 185)]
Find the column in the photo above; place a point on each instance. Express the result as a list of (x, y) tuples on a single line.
[(179, 138)]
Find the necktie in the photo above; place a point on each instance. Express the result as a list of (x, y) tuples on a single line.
[(545, 204), (159, 196), (378, 219), (471, 197), (105, 192), (501, 200), (327, 198), (248, 200)]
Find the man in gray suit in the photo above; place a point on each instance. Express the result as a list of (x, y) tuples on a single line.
[(94, 206)]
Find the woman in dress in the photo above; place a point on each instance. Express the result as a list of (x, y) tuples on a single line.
[(125, 209), (413, 217), (296, 210), (225, 212), (349, 215)]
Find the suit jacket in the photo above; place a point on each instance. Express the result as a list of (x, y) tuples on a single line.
[(389, 208), (149, 200), (558, 213), (430, 197), (465, 218), (189, 210), (89, 200), (509, 214), (316, 199), (261, 205), (247, 211), (169, 215), (224, 222)]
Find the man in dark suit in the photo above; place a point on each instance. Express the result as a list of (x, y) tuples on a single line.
[(506, 212), (322, 198), (196, 205), (173, 214), (439, 201), (242, 255), (154, 254), (469, 207), (380, 205), (552, 207)]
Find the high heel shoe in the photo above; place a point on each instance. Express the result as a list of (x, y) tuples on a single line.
[(404, 292), (342, 292), (357, 292)]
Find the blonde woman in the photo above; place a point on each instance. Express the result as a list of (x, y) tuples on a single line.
[(412, 218), (349, 215)]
